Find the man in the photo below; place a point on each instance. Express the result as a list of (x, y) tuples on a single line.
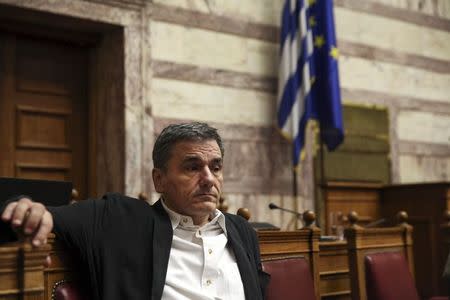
[(181, 247)]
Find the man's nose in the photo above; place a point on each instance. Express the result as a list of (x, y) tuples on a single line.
[(206, 177)]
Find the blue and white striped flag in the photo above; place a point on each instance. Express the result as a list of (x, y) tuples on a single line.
[(308, 83)]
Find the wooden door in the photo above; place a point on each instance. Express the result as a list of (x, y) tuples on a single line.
[(43, 110)]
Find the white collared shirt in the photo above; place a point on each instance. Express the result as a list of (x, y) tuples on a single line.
[(201, 266)]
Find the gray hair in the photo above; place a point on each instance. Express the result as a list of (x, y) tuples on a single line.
[(175, 133)]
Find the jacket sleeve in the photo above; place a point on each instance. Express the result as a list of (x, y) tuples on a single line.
[(78, 224)]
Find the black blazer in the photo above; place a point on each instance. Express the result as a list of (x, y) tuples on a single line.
[(124, 247)]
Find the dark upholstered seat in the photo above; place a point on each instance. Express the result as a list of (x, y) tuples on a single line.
[(388, 277), (66, 290), (290, 278)]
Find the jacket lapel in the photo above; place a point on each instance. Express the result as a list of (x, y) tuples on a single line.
[(162, 242)]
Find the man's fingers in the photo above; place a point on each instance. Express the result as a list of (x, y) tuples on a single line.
[(8, 212), (45, 227), (31, 217), (35, 214), (48, 261), (20, 212)]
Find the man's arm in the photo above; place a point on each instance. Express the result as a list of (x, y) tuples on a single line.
[(29, 218)]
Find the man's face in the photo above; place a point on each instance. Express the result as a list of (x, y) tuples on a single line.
[(192, 182)]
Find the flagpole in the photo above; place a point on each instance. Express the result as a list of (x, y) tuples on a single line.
[(322, 181), (294, 190), (322, 161), (294, 184)]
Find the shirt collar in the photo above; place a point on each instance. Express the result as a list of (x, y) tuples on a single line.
[(217, 217)]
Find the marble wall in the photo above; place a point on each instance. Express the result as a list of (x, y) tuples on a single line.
[(394, 54), (216, 61)]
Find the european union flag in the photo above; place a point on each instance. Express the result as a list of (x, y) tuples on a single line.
[(308, 84)]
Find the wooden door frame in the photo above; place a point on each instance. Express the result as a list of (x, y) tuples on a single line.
[(119, 159)]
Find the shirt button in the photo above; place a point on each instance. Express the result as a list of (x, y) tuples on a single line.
[(208, 282), (185, 220), (209, 251), (199, 232)]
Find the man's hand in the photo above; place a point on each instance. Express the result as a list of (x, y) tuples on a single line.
[(29, 218)]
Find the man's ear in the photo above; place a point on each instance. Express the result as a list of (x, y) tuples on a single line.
[(158, 180)]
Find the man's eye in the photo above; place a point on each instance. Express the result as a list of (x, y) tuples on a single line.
[(192, 168), (217, 168)]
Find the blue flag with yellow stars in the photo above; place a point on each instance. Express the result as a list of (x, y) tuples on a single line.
[(308, 84)]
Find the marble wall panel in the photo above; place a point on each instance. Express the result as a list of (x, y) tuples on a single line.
[(357, 73), (109, 14), (212, 49), (262, 11), (251, 167), (181, 100), (389, 33), (268, 11), (424, 168), (423, 149), (440, 8), (424, 127), (192, 73), (134, 111), (133, 153), (196, 46)]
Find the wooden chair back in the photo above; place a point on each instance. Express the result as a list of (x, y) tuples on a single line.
[(300, 243), (362, 242)]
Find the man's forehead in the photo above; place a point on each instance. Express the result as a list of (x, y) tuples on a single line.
[(197, 148)]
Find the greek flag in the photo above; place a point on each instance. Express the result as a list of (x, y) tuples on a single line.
[(308, 83)]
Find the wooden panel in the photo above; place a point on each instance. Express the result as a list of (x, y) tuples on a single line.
[(341, 197), (333, 257), (334, 270), (332, 285), (42, 172), (43, 129), (45, 68)]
